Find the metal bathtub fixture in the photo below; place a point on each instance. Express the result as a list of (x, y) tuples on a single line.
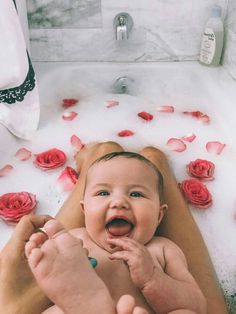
[(122, 85), (123, 24)]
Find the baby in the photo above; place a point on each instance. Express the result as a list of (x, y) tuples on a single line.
[(123, 206)]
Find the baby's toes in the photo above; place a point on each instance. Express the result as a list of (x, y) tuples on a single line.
[(34, 257)]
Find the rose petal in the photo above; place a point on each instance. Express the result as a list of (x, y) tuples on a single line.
[(215, 147), (76, 142), (125, 133), (69, 102), (189, 138), (111, 103), (199, 115), (69, 116), (23, 154), (145, 115), (4, 171), (176, 144), (168, 109), (68, 179)]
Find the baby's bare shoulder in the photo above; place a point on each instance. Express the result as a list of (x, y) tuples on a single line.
[(168, 247), (78, 232)]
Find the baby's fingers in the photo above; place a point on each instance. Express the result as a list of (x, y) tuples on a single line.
[(120, 255)]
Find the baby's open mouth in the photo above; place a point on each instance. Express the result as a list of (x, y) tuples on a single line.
[(119, 227)]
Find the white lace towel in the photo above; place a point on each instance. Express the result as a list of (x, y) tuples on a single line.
[(19, 101)]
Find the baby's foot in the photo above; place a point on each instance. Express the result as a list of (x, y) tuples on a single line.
[(60, 266)]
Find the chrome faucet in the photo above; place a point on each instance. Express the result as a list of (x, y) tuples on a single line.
[(122, 85), (123, 24)]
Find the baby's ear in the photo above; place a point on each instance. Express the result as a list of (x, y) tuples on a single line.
[(82, 206), (162, 211)]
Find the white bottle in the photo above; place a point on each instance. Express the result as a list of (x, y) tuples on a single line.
[(212, 39)]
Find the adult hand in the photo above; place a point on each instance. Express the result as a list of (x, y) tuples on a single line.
[(19, 292)]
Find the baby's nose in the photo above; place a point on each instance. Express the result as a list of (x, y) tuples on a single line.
[(120, 203)]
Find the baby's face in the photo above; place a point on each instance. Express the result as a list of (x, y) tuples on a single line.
[(121, 200)]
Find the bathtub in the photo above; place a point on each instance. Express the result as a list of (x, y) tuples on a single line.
[(186, 86)]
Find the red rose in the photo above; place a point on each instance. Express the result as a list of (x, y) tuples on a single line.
[(201, 169), (50, 159), (15, 205), (196, 193), (68, 179)]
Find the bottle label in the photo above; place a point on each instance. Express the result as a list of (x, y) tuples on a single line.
[(208, 46)]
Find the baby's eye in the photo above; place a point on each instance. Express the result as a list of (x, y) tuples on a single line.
[(103, 193), (136, 194)]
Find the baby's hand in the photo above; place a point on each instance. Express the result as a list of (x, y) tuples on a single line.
[(137, 257)]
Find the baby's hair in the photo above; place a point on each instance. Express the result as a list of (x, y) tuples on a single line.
[(138, 157)]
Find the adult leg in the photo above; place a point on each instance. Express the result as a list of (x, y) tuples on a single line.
[(179, 226), (70, 214)]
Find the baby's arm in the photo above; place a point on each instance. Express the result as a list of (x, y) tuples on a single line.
[(173, 287), (161, 275)]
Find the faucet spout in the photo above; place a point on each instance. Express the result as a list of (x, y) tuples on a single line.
[(123, 23)]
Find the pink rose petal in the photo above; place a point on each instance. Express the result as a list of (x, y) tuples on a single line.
[(23, 154), (176, 144), (111, 103), (145, 115), (68, 179), (215, 147), (69, 102), (168, 109), (189, 138), (76, 142), (4, 171), (125, 133), (69, 116)]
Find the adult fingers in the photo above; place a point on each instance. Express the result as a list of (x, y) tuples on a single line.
[(28, 225)]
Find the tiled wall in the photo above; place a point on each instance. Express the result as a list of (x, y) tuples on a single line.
[(229, 57), (82, 30)]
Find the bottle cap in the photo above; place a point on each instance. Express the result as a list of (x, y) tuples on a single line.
[(216, 11)]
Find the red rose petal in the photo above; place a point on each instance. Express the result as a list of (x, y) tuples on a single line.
[(76, 142), (111, 103), (125, 133), (69, 116), (5, 170), (168, 109), (23, 154), (145, 115), (69, 102), (189, 138), (199, 115), (215, 147), (176, 144)]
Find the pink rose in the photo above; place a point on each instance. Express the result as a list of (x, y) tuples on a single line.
[(201, 169), (50, 159), (15, 205), (196, 193), (68, 179)]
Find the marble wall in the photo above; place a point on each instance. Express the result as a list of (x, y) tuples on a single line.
[(82, 30), (229, 57)]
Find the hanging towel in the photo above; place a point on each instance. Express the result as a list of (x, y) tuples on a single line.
[(19, 99)]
